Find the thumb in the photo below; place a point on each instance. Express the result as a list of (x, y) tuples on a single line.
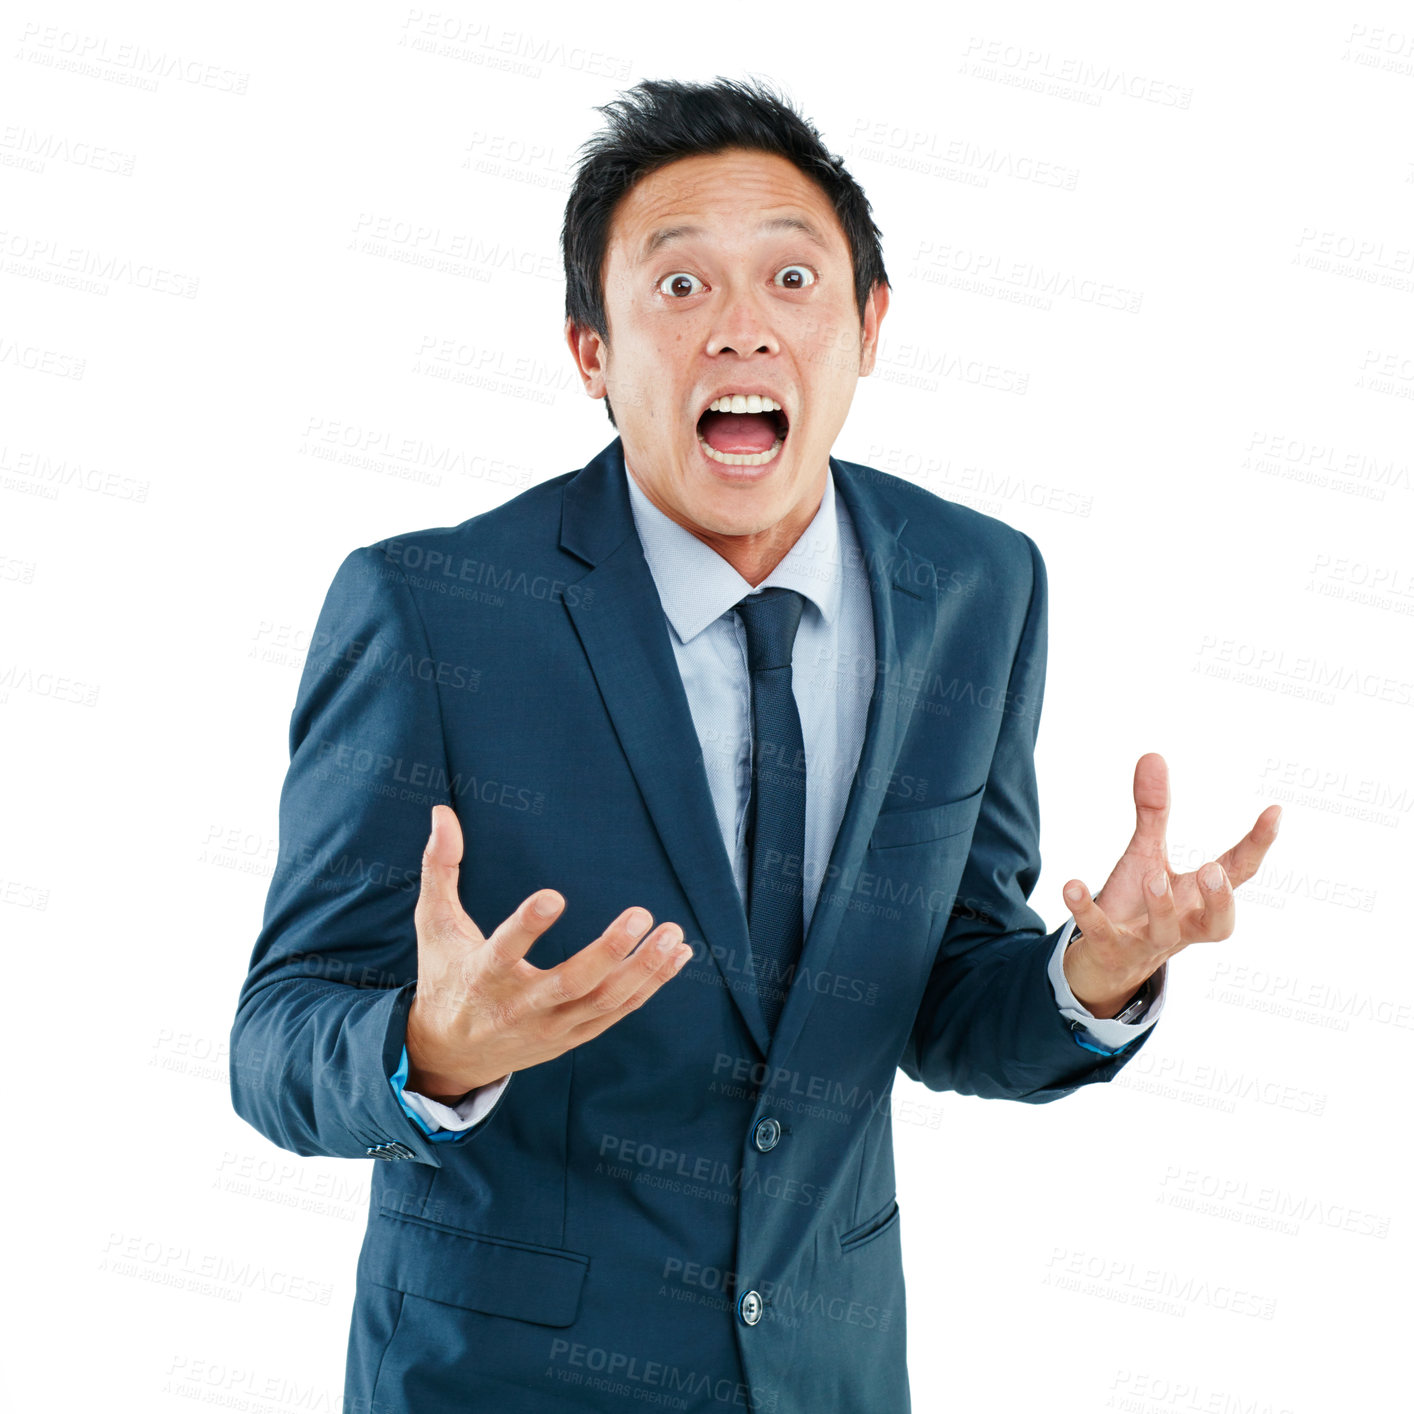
[(441, 862), (1151, 799), (444, 840)]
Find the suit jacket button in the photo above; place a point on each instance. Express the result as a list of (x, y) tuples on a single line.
[(750, 1307), (767, 1135)]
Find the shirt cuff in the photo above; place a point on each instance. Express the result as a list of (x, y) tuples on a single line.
[(1103, 1033), (439, 1121)]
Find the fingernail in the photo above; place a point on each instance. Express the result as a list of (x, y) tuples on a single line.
[(638, 919), (1212, 877), (1074, 894), (433, 833), (1157, 885), (545, 905)]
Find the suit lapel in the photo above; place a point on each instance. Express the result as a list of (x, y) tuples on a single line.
[(905, 612), (626, 639)]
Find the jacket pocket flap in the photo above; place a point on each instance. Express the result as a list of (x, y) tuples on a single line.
[(932, 822), (884, 1219), (474, 1270)]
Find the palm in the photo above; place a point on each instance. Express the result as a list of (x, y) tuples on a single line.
[(1123, 899), (439, 913), (1191, 911)]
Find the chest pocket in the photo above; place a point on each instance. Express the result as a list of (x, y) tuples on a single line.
[(922, 825)]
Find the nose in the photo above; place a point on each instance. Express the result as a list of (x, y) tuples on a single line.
[(741, 325)]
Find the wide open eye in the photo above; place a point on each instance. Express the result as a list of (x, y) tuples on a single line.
[(674, 282), (800, 270)]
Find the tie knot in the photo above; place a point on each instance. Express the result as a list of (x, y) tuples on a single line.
[(772, 617)]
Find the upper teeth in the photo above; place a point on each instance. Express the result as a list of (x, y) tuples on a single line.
[(748, 402)]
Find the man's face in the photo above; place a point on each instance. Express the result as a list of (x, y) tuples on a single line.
[(748, 301)]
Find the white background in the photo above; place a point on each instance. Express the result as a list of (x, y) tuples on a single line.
[(217, 379)]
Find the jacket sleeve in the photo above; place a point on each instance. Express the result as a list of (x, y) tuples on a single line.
[(989, 1023), (321, 1019)]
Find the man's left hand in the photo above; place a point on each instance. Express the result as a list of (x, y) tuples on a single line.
[(1145, 913)]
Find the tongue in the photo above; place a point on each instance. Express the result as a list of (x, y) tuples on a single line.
[(739, 433)]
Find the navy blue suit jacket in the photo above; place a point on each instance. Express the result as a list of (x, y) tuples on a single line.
[(683, 1210)]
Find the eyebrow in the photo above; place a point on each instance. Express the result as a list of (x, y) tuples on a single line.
[(665, 234)]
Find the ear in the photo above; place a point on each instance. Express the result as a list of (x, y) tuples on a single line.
[(589, 352), (875, 307)]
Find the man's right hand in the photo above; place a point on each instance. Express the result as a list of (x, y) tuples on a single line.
[(482, 1011)]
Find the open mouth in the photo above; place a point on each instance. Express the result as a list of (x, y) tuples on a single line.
[(743, 430)]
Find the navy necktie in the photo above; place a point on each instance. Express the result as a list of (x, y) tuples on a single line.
[(775, 819)]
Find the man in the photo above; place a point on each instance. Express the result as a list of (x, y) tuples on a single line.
[(733, 814)]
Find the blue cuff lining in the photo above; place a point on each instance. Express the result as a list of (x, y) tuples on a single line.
[(1098, 1050), (398, 1080)]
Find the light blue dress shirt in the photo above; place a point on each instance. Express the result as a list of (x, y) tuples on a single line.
[(832, 671)]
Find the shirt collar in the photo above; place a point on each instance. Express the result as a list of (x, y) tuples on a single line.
[(697, 586)]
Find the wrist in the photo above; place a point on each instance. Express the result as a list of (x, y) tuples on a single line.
[(445, 1088), (429, 1073), (433, 1071), (1102, 992), (434, 1087)]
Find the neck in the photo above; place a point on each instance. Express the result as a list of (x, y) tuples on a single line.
[(755, 554)]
